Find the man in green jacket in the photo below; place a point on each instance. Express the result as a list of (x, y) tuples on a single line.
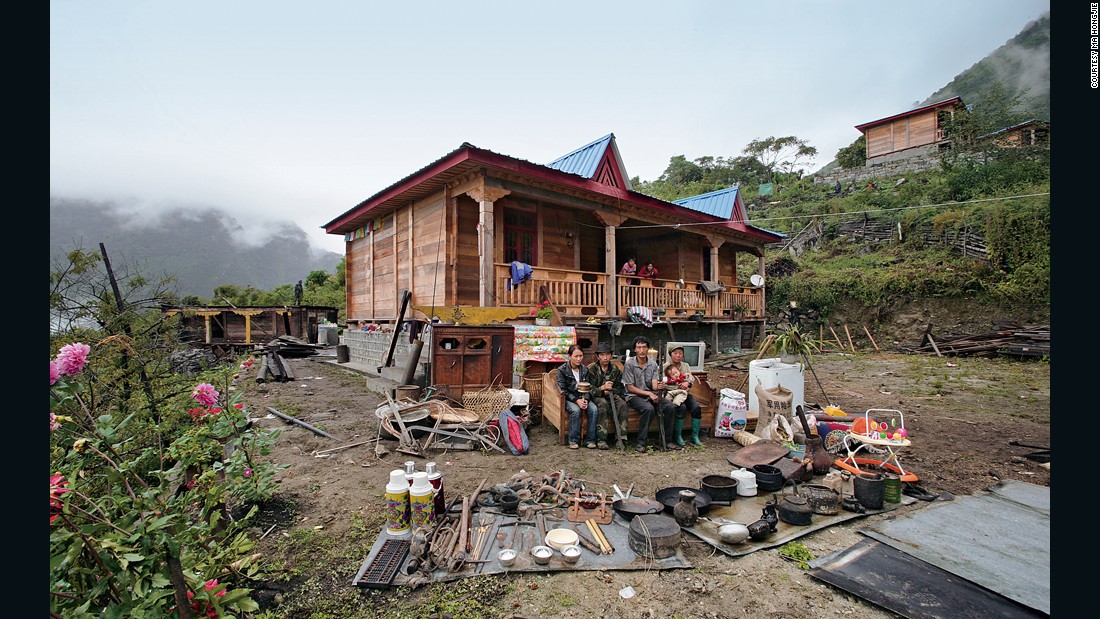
[(607, 378)]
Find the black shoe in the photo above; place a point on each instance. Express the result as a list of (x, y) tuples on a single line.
[(917, 492)]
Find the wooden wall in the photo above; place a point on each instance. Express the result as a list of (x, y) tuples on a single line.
[(908, 132), (555, 249), (407, 251), (467, 282)]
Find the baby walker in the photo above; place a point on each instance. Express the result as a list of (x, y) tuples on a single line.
[(867, 433)]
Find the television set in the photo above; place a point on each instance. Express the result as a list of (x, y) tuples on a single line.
[(694, 354)]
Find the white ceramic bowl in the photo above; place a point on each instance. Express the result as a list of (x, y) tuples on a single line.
[(560, 538), (571, 553), (542, 554), (507, 557)]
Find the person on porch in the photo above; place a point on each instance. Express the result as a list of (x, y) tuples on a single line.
[(648, 271), (607, 378), (569, 376), (630, 267), (642, 380), (676, 367)]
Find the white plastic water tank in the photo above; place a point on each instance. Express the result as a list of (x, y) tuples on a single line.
[(772, 372)]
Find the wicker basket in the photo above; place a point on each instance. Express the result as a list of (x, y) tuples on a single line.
[(532, 384), (486, 402)]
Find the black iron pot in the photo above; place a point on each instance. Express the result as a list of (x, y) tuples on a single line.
[(794, 509), (636, 506), (768, 478), (822, 499), (719, 487), (669, 497)]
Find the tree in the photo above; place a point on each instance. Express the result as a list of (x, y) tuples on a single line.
[(780, 154), (854, 155)]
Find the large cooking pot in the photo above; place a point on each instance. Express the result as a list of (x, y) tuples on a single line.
[(636, 506), (768, 478), (669, 497), (719, 487)]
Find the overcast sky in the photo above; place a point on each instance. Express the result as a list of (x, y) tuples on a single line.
[(297, 111)]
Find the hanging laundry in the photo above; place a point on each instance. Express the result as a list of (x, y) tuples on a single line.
[(640, 313), (521, 272)]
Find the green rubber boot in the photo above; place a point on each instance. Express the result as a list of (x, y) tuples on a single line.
[(695, 423), (678, 432)]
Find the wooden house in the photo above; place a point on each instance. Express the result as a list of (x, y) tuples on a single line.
[(451, 232), (1032, 132), (225, 327), (898, 136)]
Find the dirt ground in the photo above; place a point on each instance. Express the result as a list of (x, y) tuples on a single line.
[(962, 413)]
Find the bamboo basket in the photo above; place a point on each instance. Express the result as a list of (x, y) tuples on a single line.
[(532, 384), (486, 402)]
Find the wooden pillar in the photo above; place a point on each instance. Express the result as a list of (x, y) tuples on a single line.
[(485, 197), (209, 335), (611, 263)]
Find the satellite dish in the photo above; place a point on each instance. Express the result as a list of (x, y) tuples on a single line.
[(756, 279)]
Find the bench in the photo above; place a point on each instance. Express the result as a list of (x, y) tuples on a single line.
[(555, 414)]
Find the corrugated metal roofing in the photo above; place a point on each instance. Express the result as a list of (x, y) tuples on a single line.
[(584, 160), (717, 203)]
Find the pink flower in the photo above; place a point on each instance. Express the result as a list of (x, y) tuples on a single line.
[(205, 394), (248, 472), (55, 372), (57, 488), (238, 405), (72, 357), (53, 422)]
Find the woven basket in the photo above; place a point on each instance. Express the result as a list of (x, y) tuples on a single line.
[(486, 402), (532, 384)]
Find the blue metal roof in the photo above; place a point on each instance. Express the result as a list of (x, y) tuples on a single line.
[(717, 203), (584, 160)]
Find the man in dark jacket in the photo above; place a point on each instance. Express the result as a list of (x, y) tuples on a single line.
[(606, 379)]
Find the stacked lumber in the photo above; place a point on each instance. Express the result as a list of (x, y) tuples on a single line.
[(291, 347), (1005, 339)]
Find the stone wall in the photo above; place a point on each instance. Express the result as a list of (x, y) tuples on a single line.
[(911, 160), (370, 347)]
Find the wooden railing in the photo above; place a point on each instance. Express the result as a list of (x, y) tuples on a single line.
[(575, 293), (686, 299), (579, 294)]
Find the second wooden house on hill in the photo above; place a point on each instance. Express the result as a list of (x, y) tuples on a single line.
[(451, 232)]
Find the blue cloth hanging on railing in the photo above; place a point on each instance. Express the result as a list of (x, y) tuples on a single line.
[(521, 272)]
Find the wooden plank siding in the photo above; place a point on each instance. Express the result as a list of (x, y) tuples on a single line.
[(466, 281), (429, 257), (359, 278), (909, 132)]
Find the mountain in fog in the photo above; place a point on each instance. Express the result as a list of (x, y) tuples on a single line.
[(1022, 65), (200, 248)]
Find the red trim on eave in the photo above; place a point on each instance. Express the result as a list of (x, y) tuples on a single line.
[(949, 102), (455, 158)]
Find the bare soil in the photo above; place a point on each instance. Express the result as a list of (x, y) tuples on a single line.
[(961, 413)]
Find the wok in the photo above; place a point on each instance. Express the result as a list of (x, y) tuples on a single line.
[(669, 497), (636, 506)]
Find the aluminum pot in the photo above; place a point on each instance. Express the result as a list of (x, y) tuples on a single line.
[(746, 482)]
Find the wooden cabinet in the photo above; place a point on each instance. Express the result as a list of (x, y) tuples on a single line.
[(468, 358)]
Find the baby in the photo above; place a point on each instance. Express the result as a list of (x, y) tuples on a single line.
[(678, 384)]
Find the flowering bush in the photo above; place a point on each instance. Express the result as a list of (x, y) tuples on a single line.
[(138, 528)]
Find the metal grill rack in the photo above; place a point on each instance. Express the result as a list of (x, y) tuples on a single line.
[(379, 574)]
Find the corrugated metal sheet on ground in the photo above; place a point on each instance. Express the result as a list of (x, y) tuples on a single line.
[(998, 539), (912, 588)]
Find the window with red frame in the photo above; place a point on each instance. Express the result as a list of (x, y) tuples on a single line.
[(520, 236)]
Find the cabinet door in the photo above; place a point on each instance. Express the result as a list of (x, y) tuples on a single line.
[(503, 356)]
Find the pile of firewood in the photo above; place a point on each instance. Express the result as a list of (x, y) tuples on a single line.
[(274, 367), (289, 346), (1005, 339)]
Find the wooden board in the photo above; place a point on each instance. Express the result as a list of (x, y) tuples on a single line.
[(760, 452)]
